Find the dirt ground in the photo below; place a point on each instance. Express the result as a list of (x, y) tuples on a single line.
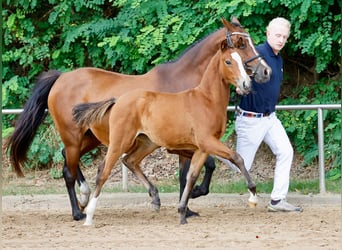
[(127, 221)]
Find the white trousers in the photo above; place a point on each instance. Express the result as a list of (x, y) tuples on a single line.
[(250, 133)]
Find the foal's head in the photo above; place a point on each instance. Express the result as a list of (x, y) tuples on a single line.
[(232, 70), (238, 38)]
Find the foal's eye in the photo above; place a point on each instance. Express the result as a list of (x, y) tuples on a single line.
[(228, 62)]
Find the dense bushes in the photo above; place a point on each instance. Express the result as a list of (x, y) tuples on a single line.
[(131, 36)]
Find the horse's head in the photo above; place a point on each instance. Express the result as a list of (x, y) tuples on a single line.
[(238, 38), (232, 70)]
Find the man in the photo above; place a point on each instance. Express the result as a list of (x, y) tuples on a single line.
[(256, 120)]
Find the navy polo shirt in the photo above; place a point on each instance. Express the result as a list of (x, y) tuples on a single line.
[(264, 96)]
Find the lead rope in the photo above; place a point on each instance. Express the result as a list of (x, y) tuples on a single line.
[(235, 99)]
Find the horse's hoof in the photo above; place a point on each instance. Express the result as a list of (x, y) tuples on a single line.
[(81, 207), (87, 223), (79, 216), (252, 200), (196, 192), (156, 207), (183, 221), (189, 213), (252, 204)]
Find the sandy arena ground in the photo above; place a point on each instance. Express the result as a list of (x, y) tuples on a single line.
[(127, 221)]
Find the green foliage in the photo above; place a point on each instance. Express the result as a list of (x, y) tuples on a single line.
[(45, 150), (132, 36), (301, 125)]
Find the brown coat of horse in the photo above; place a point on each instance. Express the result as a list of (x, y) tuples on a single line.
[(191, 120), (59, 92)]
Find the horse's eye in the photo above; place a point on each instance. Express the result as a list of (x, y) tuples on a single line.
[(242, 46), (228, 62)]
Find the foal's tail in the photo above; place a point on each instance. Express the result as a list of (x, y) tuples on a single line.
[(88, 113), (33, 115)]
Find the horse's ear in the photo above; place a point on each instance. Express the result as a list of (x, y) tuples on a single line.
[(235, 21), (226, 23), (224, 45)]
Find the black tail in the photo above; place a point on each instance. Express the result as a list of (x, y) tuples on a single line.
[(87, 113), (33, 115)]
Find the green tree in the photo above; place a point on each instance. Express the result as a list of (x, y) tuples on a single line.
[(132, 36)]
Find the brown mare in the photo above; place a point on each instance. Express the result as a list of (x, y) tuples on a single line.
[(59, 92), (139, 123)]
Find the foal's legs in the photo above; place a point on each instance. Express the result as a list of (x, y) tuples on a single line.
[(111, 157), (198, 190), (195, 167), (214, 147), (142, 147), (184, 164), (203, 188)]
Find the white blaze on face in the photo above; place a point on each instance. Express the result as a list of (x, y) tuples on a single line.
[(256, 53), (244, 81)]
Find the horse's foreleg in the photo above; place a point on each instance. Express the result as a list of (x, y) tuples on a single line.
[(203, 188), (184, 164), (238, 161), (195, 167), (215, 147)]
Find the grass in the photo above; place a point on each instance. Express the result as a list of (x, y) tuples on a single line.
[(302, 187), (172, 186), (29, 186)]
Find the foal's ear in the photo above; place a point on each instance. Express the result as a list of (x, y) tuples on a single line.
[(224, 45)]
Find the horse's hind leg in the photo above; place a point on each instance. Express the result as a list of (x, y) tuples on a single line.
[(141, 148), (69, 175), (84, 189), (89, 142), (203, 188)]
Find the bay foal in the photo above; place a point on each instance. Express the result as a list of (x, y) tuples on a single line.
[(141, 121)]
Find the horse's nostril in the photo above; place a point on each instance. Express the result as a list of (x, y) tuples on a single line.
[(245, 86)]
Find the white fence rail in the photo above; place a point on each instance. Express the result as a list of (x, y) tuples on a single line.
[(320, 131)]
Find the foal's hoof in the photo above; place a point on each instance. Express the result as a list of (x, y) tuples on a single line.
[(189, 213), (79, 216)]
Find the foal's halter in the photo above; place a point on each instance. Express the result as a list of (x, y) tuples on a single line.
[(245, 62)]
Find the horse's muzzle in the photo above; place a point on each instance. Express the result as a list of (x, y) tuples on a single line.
[(262, 74)]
